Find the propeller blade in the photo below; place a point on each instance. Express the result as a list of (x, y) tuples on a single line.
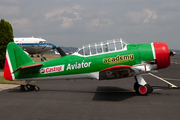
[(61, 52), (172, 53)]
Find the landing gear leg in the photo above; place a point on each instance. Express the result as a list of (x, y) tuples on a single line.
[(141, 87), (29, 87), (43, 58)]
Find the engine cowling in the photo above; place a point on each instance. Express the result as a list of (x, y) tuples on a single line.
[(162, 55)]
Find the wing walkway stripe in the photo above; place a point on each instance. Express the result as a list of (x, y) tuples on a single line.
[(163, 80)]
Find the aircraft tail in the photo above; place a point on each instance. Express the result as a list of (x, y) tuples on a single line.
[(16, 59)]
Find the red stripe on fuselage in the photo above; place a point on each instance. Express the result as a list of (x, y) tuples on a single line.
[(116, 67), (7, 71)]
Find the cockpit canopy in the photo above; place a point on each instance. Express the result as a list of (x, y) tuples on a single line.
[(102, 47), (42, 41)]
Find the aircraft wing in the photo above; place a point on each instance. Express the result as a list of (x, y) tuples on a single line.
[(121, 71)]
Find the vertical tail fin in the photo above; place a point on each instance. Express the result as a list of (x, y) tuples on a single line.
[(15, 58)]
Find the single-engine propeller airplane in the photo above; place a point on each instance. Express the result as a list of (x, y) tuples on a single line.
[(111, 59)]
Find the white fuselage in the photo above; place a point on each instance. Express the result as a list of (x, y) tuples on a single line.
[(34, 45)]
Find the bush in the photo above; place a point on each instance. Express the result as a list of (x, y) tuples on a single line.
[(6, 36)]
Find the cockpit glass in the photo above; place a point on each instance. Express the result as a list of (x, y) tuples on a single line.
[(81, 52), (123, 44), (111, 46), (93, 50), (42, 42), (99, 49), (103, 47), (87, 51), (118, 45)]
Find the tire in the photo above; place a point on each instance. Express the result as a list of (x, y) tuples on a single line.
[(150, 88), (141, 90), (136, 85), (22, 88), (36, 88), (26, 89)]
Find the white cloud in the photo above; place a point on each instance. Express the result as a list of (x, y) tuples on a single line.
[(23, 24), (151, 15), (144, 16), (65, 15), (99, 22)]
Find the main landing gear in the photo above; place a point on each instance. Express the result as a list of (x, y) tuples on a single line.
[(42, 58), (29, 87), (141, 87)]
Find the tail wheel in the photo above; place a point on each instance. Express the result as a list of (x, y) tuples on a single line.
[(36, 88), (29, 87), (26, 88), (22, 88)]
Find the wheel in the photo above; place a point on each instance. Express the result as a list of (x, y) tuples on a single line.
[(26, 88), (141, 90), (36, 88), (22, 88), (150, 88), (136, 85)]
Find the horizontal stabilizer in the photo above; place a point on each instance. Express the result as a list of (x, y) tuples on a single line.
[(28, 66)]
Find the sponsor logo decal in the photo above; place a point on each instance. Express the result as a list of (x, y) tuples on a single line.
[(52, 69), (78, 65), (119, 59)]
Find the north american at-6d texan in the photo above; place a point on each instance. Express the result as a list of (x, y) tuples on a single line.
[(107, 60)]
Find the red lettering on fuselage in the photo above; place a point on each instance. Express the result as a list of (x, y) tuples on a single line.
[(53, 69)]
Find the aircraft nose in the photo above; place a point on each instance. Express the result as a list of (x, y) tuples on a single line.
[(162, 55), (53, 46)]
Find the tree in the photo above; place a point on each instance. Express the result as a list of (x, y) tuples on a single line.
[(6, 36)]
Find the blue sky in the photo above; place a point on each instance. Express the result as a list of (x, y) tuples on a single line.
[(76, 22)]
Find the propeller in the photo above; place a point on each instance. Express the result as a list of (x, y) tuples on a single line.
[(172, 53), (61, 52)]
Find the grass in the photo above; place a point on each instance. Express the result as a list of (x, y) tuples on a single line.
[(4, 81)]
